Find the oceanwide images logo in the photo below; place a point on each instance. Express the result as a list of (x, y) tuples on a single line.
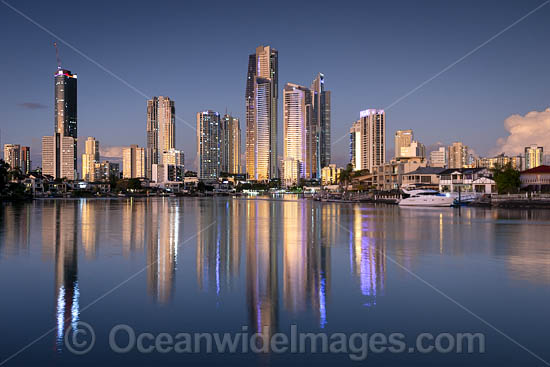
[(80, 339)]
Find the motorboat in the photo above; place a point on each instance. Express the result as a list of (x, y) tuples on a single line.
[(420, 197)]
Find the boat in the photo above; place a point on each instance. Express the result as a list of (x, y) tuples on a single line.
[(426, 197), (464, 198)]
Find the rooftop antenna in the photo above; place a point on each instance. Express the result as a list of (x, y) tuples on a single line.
[(57, 56)]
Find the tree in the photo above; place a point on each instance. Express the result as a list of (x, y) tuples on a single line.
[(344, 178), (507, 179)]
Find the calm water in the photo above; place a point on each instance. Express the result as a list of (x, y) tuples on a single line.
[(228, 265)]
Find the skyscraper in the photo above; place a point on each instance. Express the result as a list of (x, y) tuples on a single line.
[(66, 111), (89, 160), (368, 140), (209, 144), (25, 160), (403, 138), (438, 158), (231, 144), (261, 114), (321, 120), (134, 162), (533, 156), (161, 129), (458, 155), (59, 151), (12, 155), (299, 131)]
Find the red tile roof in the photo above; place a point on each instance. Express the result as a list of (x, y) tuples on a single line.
[(539, 169)]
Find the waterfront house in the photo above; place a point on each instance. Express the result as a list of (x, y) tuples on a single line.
[(536, 179), (455, 179), (425, 177)]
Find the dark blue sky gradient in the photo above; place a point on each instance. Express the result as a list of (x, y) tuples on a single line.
[(196, 53)]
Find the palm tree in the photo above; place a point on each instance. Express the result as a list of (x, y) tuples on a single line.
[(344, 178)]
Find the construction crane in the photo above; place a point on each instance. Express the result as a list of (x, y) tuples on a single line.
[(57, 56)]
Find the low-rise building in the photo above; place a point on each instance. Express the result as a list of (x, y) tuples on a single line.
[(536, 179), (425, 177), (330, 174), (389, 176), (455, 179)]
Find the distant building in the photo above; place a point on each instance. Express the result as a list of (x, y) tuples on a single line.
[(458, 155), (89, 159), (438, 158), (171, 170), (261, 98), (367, 140), (321, 107), (161, 129), (499, 161), (25, 160), (12, 155), (58, 157), (330, 174), (402, 139), (533, 156), (134, 162), (231, 144), (66, 117), (209, 145), (414, 149), (105, 170), (292, 171), (389, 176)]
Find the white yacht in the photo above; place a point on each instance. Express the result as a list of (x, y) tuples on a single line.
[(421, 197)]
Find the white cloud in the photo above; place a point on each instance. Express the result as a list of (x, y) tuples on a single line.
[(533, 128), (111, 152)]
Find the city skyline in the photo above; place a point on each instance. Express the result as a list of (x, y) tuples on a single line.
[(471, 85)]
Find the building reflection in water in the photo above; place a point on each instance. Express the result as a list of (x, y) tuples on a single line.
[(218, 255), (133, 226), (367, 256), (59, 238), (306, 259), (262, 292), (162, 231), (15, 223)]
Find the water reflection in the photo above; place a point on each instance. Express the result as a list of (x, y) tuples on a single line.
[(283, 256)]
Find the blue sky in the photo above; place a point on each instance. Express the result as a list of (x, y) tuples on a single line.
[(196, 52)]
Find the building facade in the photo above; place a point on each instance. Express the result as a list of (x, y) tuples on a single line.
[(330, 175), (209, 145), (12, 155), (261, 98), (367, 140), (89, 159), (402, 138), (161, 129), (533, 156), (321, 106), (438, 158), (25, 160), (65, 110), (134, 162), (231, 144), (458, 155), (414, 149)]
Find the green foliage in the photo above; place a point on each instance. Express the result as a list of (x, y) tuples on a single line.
[(506, 179), (128, 184)]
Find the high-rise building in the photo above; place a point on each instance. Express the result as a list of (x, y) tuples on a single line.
[(321, 120), (533, 156), (458, 155), (161, 129), (230, 144), (172, 169), (12, 155), (261, 114), (134, 162), (414, 149), (89, 160), (59, 152), (209, 144), (105, 170), (368, 140), (300, 134), (66, 112), (438, 158), (26, 160), (403, 138)]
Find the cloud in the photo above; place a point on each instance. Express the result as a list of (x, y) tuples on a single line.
[(533, 128), (32, 105), (113, 153)]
